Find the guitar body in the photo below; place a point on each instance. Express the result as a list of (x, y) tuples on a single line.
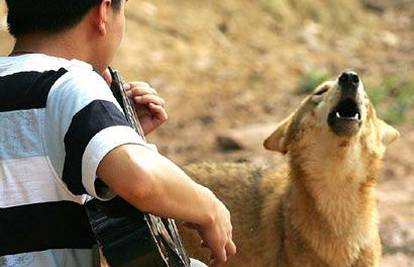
[(124, 236)]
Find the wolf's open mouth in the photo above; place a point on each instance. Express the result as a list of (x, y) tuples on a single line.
[(345, 119), (347, 110)]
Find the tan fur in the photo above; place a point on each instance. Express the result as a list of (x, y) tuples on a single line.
[(320, 209)]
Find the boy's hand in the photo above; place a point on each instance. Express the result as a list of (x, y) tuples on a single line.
[(149, 105), (217, 236)]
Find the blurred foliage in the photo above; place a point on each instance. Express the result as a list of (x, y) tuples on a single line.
[(393, 98), (334, 13), (311, 80)]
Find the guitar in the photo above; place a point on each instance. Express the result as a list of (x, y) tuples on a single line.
[(126, 236)]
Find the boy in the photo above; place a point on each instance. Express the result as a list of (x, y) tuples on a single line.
[(61, 128)]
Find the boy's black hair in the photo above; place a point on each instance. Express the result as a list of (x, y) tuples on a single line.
[(49, 16)]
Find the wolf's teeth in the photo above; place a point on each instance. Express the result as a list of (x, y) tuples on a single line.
[(338, 115), (356, 117)]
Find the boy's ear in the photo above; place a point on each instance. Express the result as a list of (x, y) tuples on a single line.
[(101, 16), (277, 140), (388, 133)]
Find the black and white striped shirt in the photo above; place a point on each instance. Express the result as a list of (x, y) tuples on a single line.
[(58, 119)]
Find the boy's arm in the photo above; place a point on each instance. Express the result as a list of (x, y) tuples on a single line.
[(154, 184)]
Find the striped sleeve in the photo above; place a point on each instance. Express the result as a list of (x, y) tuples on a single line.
[(84, 123)]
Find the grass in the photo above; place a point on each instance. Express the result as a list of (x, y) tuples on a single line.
[(311, 80), (393, 98), (277, 8), (333, 13)]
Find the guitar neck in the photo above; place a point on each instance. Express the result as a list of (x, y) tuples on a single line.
[(164, 234), (128, 105)]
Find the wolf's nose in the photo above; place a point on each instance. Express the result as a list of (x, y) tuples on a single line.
[(349, 81)]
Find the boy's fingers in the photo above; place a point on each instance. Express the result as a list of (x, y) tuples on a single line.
[(138, 91), (127, 86), (159, 112), (149, 99), (140, 85), (231, 249)]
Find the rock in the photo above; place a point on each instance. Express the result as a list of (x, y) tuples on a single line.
[(249, 137), (207, 119), (397, 260), (375, 6), (227, 143), (390, 39), (223, 27), (397, 235)]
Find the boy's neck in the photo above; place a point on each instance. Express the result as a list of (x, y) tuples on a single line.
[(66, 45)]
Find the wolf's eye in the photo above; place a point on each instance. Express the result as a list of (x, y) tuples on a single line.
[(321, 92)]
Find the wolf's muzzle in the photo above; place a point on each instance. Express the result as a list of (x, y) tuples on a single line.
[(349, 82), (345, 118)]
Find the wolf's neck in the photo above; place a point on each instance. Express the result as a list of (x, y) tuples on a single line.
[(334, 195), (337, 211), (334, 222)]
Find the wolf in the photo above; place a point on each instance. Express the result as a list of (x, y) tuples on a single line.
[(319, 209)]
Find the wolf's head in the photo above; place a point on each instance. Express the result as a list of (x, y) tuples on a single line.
[(337, 116)]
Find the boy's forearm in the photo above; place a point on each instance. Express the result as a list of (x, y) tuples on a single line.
[(154, 184)]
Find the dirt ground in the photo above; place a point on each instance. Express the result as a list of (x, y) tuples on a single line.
[(230, 71)]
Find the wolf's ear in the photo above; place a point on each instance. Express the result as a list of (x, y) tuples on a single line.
[(388, 133), (277, 140)]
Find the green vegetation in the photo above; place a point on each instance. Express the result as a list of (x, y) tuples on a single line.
[(311, 80), (279, 9), (333, 13), (393, 98)]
